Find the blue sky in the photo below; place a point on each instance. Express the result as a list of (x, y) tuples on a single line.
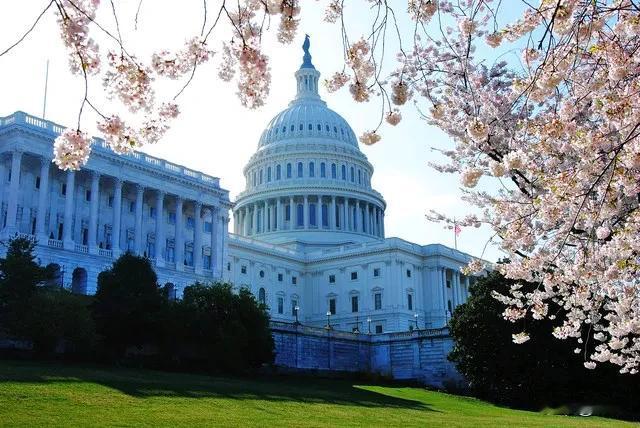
[(216, 135)]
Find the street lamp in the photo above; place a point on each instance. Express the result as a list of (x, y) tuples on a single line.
[(415, 316), (328, 320), (296, 309), (369, 322), (357, 329)]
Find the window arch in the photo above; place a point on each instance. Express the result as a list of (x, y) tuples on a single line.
[(359, 177), (353, 175), (300, 215), (269, 174), (300, 169), (312, 214), (334, 170), (312, 169), (319, 127), (344, 172), (301, 127), (310, 127), (254, 178), (278, 172), (260, 178), (323, 170), (288, 170), (262, 296)]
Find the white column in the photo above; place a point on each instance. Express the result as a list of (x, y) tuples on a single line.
[(117, 216), (265, 218), (179, 234), (138, 231), (246, 216), (358, 225), (345, 214), (305, 212), (215, 256), (160, 239), (332, 214), (292, 213), (280, 217), (367, 218), (319, 213), (197, 237), (43, 197), (14, 187), (382, 223), (254, 226), (68, 211), (221, 235), (93, 212), (445, 294)]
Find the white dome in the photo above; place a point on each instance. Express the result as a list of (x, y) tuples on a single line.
[(308, 118)]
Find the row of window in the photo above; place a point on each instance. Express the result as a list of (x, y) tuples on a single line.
[(377, 272), (355, 303), (295, 309), (277, 130), (260, 176), (243, 270)]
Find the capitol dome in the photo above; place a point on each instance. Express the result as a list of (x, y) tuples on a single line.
[(308, 182)]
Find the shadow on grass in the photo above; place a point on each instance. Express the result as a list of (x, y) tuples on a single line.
[(148, 383)]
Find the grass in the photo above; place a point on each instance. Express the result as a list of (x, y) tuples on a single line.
[(39, 394)]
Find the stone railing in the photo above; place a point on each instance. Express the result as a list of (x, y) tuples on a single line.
[(55, 243), (21, 118), (82, 249), (105, 253), (266, 245)]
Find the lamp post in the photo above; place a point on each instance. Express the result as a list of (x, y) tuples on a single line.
[(415, 316), (369, 323), (328, 320), (357, 329), (296, 309)]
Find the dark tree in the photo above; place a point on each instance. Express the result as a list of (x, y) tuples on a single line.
[(128, 304), (20, 274), (542, 371)]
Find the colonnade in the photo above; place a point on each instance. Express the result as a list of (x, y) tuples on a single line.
[(309, 212), (214, 239)]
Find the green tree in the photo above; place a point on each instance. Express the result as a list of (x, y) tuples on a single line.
[(128, 304), (542, 371), (20, 274)]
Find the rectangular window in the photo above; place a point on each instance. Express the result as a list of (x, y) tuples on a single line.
[(378, 329), (243, 269), (448, 283), (228, 266), (280, 305), (208, 227), (110, 201), (63, 189), (280, 277), (152, 212), (408, 273), (132, 206), (377, 298), (332, 279), (191, 223), (376, 272), (354, 275), (87, 195), (172, 218), (410, 302), (354, 303), (37, 182), (332, 306), (287, 213), (206, 261), (294, 280)]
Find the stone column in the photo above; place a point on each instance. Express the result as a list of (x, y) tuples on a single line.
[(215, 256), (445, 294), (367, 218), (254, 226), (319, 213), (305, 212), (93, 212), (292, 213), (332, 214), (179, 234), (382, 223), (345, 214), (43, 197), (197, 237), (138, 231), (279, 216), (246, 217), (117, 216), (160, 239), (14, 187), (358, 225), (68, 211), (265, 217)]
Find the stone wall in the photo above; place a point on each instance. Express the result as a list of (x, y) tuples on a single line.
[(419, 356)]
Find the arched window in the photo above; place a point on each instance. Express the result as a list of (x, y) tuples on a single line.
[(269, 174), (254, 178), (300, 215), (278, 172), (310, 127), (301, 127), (262, 296), (260, 179), (344, 172), (334, 170), (300, 168), (312, 169), (312, 214), (288, 170), (327, 128), (293, 127), (284, 129), (359, 177), (319, 127), (323, 170), (353, 175), (325, 215)]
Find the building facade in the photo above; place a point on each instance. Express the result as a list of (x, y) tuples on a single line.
[(309, 237), (84, 220)]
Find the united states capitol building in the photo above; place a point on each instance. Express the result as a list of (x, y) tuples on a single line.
[(308, 230)]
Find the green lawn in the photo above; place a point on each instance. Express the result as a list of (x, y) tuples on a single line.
[(36, 394)]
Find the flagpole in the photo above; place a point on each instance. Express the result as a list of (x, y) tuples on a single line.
[(455, 234), (46, 84)]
